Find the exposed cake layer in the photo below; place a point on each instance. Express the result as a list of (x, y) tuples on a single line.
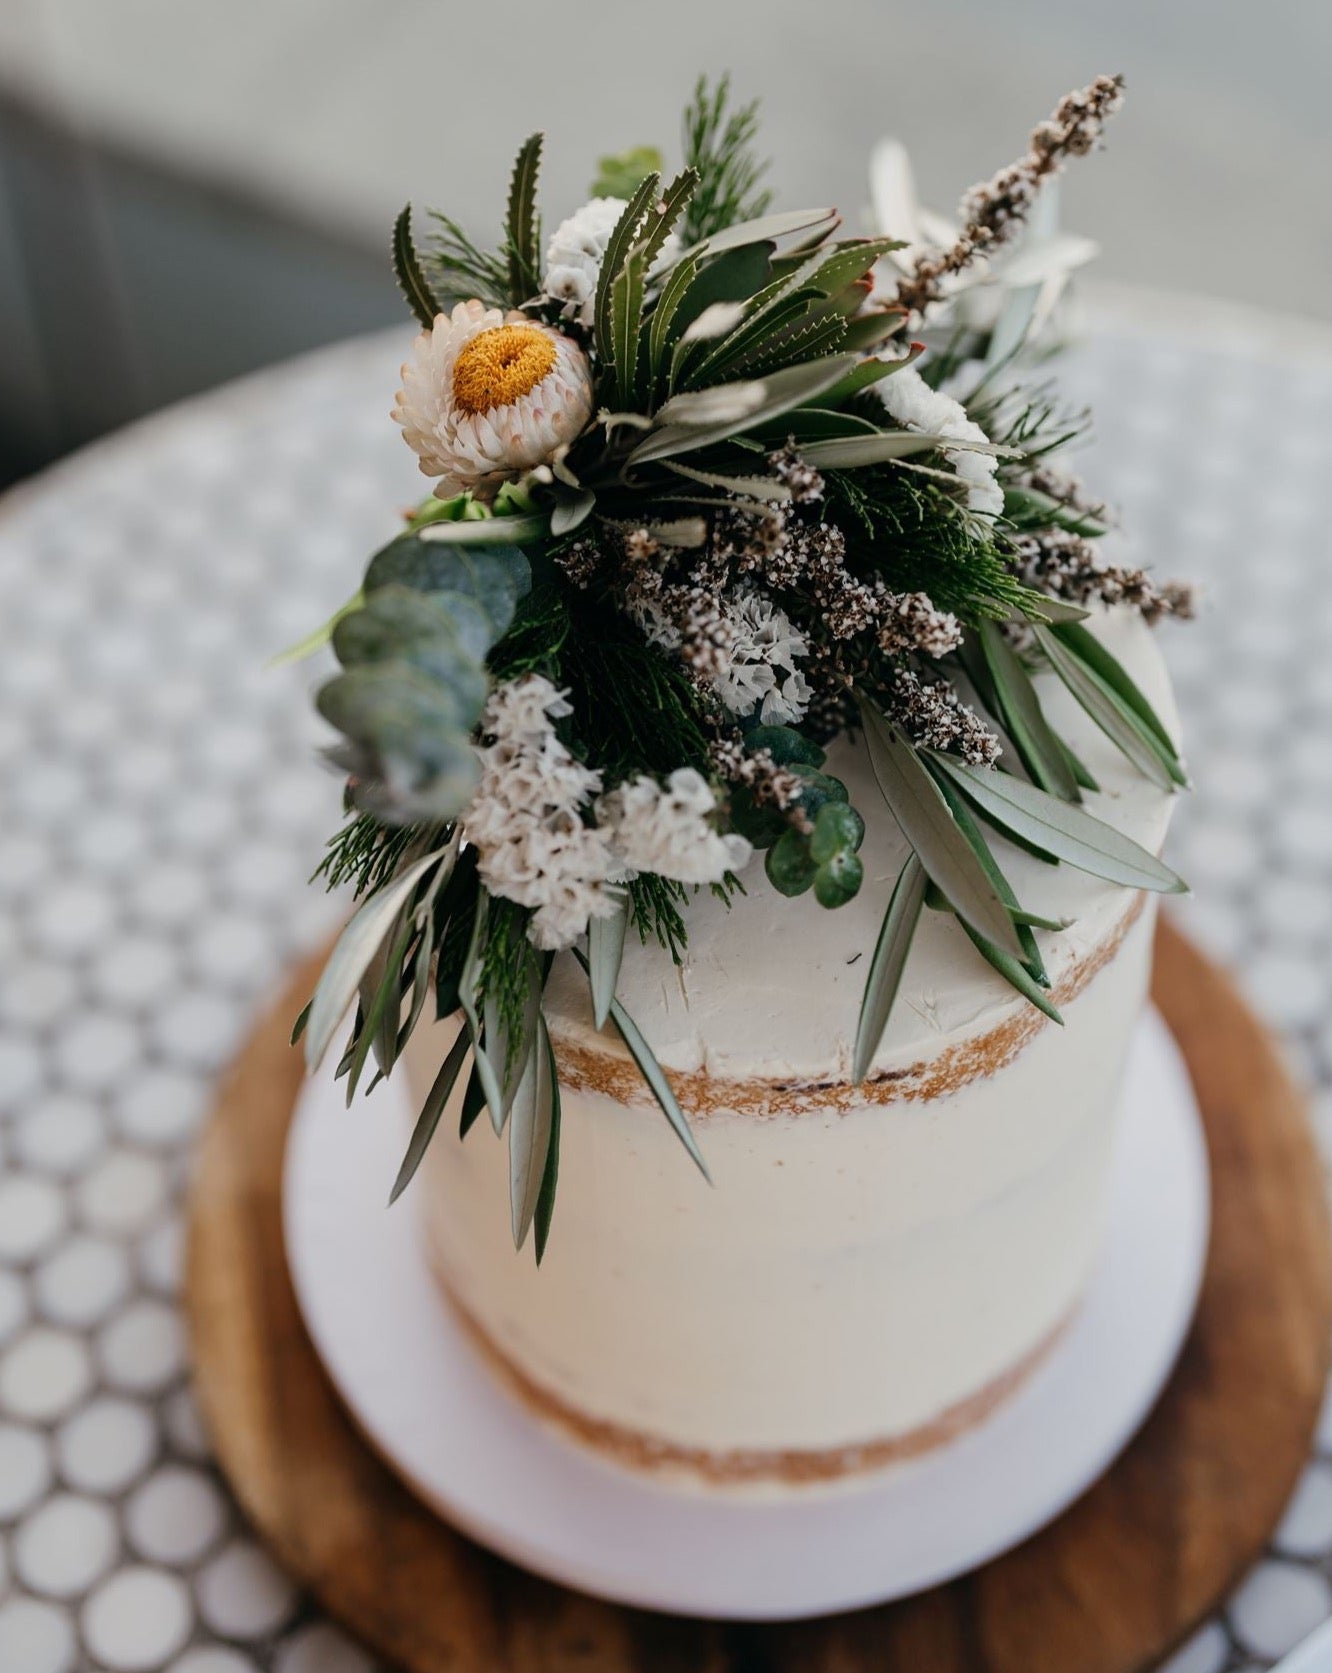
[(868, 1260)]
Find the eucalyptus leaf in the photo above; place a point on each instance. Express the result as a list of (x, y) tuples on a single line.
[(431, 1110), (1070, 833), (919, 807), (888, 963), (437, 633), (495, 576), (355, 948)]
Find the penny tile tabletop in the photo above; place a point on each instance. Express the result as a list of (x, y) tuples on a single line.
[(163, 807)]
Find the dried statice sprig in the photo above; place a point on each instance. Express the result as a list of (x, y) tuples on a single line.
[(1071, 494), (995, 210), (803, 481), (910, 622), (1067, 565), (933, 715)]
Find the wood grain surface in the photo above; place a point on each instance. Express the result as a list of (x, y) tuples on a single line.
[(1108, 1588)]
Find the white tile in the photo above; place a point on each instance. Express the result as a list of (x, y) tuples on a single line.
[(71, 918), (43, 1375), (161, 1257), (62, 1135), (243, 1594), (32, 1216), (197, 1030), (142, 1350), (65, 1546), (185, 1427), (82, 1282), (176, 1516), (105, 1447), (122, 1192), (36, 1637), (213, 1658), (321, 1648), (1306, 1528), (137, 1619), (134, 971), (159, 1107), (94, 1050), (13, 1305), (20, 1072), (1278, 1605), (25, 1469)]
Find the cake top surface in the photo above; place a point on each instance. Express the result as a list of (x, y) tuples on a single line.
[(769, 988)]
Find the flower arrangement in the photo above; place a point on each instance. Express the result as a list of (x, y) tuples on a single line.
[(712, 485)]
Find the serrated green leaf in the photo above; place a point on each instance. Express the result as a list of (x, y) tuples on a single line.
[(626, 317), (431, 1111), (1022, 715), (888, 963), (624, 235), (605, 953), (522, 224), (1070, 833), (761, 488), (919, 807), (653, 1074), (530, 1125), (407, 269)]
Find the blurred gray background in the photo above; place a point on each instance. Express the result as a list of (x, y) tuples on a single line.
[(191, 188)]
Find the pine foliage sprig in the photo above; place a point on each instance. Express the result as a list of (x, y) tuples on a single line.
[(719, 145)]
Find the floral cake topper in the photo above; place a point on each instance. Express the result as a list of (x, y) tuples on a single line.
[(712, 486)]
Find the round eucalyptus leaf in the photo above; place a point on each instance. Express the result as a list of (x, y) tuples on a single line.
[(789, 865), (838, 880), (838, 829), (786, 746)]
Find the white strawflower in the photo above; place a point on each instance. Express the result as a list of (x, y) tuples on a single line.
[(911, 401), (759, 671), (575, 251), (525, 820), (668, 830), (484, 399)]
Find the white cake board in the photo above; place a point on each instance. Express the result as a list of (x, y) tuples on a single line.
[(434, 1410)]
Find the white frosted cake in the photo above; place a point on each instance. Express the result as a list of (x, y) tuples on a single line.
[(874, 1267)]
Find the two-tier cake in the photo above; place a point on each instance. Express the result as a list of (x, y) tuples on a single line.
[(875, 1266)]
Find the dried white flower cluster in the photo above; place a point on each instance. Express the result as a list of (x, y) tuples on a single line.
[(535, 848), (669, 831), (525, 820), (911, 401), (575, 251)]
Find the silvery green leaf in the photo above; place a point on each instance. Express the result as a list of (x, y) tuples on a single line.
[(437, 633), (1014, 972), (1110, 712), (1048, 609), (495, 576), (1021, 712), (782, 391), (355, 948), (851, 452), (487, 531), (605, 951), (375, 1017), (715, 321), (1071, 833), (766, 228), (569, 513), (652, 1073), (530, 1127), (1038, 259), (431, 1110), (545, 1208), (888, 963), (509, 1057), (893, 192), (724, 403), (1089, 649), (468, 984), (918, 805)]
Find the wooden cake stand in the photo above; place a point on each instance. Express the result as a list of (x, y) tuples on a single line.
[(1110, 1587)]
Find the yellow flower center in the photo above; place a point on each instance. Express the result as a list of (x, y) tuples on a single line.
[(500, 366)]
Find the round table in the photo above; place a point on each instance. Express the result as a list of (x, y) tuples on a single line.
[(163, 807)]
